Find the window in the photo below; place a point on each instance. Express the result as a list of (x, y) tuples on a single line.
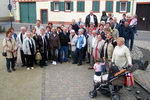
[(56, 6), (80, 6), (123, 7), (67, 6), (96, 5), (109, 6)]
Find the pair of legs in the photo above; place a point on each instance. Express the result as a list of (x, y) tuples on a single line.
[(129, 42), (64, 54), (10, 63), (79, 56), (54, 54), (30, 61), (44, 58), (23, 58)]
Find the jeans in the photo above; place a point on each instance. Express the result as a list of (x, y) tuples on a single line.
[(10, 63), (129, 42), (64, 54)]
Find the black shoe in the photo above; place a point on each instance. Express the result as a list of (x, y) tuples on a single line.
[(23, 65), (9, 71), (90, 68), (14, 69), (74, 63), (87, 62), (41, 66), (146, 63), (79, 64), (45, 65)]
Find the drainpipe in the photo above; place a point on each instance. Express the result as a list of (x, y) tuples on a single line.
[(133, 7)]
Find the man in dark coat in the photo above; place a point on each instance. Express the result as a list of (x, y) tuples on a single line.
[(91, 18)]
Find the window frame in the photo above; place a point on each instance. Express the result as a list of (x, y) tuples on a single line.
[(126, 7), (55, 6), (65, 5)]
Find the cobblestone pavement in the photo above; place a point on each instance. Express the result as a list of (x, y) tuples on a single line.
[(71, 82), (60, 82), (143, 53)]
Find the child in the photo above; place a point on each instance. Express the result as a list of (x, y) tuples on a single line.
[(99, 67)]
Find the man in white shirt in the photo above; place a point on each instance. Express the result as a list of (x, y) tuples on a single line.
[(91, 18), (38, 27), (20, 38), (81, 42)]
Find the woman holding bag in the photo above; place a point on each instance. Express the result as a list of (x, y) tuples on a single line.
[(10, 49)]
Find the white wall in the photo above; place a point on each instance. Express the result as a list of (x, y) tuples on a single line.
[(143, 0), (3, 8), (62, 16)]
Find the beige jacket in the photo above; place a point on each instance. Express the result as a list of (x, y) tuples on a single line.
[(10, 45)]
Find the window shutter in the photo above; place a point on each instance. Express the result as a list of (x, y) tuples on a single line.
[(80, 5), (96, 5), (128, 6), (109, 6), (61, 6), (118, 6), (52, 6), (72, 6)]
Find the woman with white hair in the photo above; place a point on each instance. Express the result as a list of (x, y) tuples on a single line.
[(121, 55), (29, 50), (73, 40)]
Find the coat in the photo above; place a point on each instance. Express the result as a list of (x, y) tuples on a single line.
[(87, 21), (99, 45), (54, 41), (108, 48), (73, 41), (26, 47), (10, 45), (19, 42)]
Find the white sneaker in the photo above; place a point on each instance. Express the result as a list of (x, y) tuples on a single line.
[(55, 63), (32, 67), (28, 68)]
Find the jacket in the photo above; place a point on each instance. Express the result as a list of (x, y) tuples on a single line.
[(26, 46), (54, 41), (87, 21), (64, 39), (73, 40), (19, 41), (10, 45), (108, 48)]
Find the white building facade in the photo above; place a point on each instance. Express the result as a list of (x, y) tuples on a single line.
[(63, 11)]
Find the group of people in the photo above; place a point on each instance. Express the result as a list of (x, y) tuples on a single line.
[(81, 41)]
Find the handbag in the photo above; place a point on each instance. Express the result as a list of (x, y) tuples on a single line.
[(38, 56), (129, 80), (4, 54)]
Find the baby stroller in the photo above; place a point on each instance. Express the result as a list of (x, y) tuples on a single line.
[(109, 84)]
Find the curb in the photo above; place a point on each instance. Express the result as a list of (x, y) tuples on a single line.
[(141, 85)]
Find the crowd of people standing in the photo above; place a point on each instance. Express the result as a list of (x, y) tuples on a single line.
[(90, 41)]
